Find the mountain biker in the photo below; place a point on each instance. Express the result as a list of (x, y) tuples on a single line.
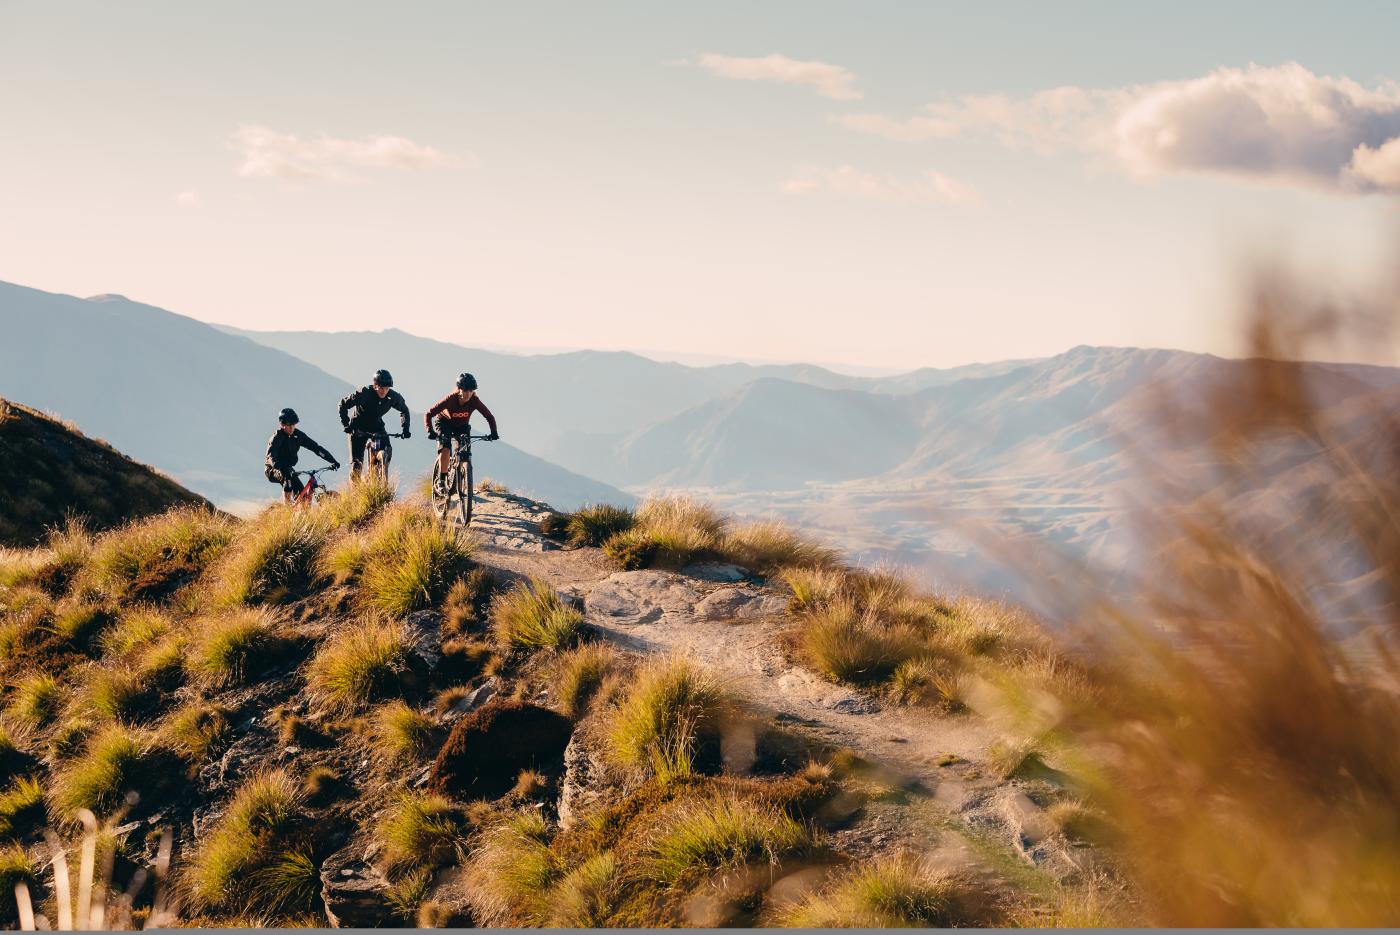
[(281, 461), (370, 404), (450, 417)]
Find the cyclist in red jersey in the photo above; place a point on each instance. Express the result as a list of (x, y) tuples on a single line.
[(450, 416)]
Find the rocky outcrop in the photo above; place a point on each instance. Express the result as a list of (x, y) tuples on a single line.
[(353, 891), (646, 597)]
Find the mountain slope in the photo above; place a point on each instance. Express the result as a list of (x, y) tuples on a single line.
[(200, 403), (49, 471)]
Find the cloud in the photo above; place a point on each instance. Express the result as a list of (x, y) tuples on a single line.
[(831, 81), (850, 182), (266, 153), (1281, 124), (189, 200)]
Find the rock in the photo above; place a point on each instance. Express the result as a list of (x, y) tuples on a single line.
[(478, 697), (740, 604), (715, 571), (642, 597), (353, 892), (584, 783), (486, 751)]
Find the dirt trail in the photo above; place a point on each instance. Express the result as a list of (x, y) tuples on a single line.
[(718, 616)]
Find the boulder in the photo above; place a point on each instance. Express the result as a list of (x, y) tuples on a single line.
[(484, 754), (642, 597), (354, 892), (740, 604)]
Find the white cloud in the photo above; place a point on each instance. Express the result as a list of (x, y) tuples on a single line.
[(189, 200), (848, 181), (1279, 124), (266, 153), (832, 81)]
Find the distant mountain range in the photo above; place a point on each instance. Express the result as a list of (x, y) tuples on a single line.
[(923, 469), (200, 403)]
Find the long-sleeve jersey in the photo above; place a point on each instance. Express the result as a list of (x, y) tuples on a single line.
[(457, 412), (370, 409), (282, 449)]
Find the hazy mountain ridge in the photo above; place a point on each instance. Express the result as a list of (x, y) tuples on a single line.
[(200, 403)]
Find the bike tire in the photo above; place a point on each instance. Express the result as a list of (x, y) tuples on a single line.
[(442, 499), (464, 499)]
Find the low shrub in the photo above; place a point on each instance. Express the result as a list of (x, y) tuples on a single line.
[(533, 616), (362, 664)]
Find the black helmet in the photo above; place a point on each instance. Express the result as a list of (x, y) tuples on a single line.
[(288, 416), (383, 378), (466, 382)]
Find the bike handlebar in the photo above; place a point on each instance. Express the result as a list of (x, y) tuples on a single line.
[(316, 471), (365, 434)]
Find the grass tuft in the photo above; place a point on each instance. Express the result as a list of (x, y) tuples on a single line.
[(272, 558), (78, 622), (420, 830), (533, 616), (765, 547), (579, 673), (21, 807), (137, 627), (466, 601), (362, 664), (117, 760), (404, 732), (411, 562), (671, 704), (890, 892), (154, 556), (35, 700), (232, 647), (197, 731), (849, 645), (595, 524), (513, 869), (708, 833)]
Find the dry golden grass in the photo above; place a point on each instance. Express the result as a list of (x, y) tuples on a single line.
[(532, 616), (765, 547), (362, 664), (891, 892), (579, 673), (668, 705)]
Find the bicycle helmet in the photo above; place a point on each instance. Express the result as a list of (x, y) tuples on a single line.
[(288, 416), (466, 382), (384, 378)]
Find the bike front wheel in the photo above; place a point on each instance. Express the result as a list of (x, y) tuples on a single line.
[(464, 492)]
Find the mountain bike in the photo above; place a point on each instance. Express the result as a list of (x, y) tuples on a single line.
[(313, 491), (457, 482), (375, 464)]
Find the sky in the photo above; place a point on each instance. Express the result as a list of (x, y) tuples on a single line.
[(879, 186)]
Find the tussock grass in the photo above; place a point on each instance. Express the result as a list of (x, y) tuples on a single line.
[(154, 553), (137, 627), (342, 559), (411, 562), (117, 693), (246, 862), (20, 567), (115, 761), (290, 882), (67, 739), (16, 866), (321, 783), (79, 621), (669, 532), (667, 708), (1079, 821), (552, 526), (579, 673), (512, 870), (420, 830), (21, 807), (272, 558), (926, 680), (765, 547), (35, 701), (362, 664), (847, 644), (586, 895), (232, 647), (406, 733), (197, 731), (70, 547), (533, 616), (595, 524), (467, 600), (357, 504), (699, 834), (891, 892)]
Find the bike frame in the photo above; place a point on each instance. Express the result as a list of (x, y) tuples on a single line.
[(459, 457), (374, 450), (308, 492)]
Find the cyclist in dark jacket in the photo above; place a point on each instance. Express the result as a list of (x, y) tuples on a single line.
[(370, 404), (281, 460)]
